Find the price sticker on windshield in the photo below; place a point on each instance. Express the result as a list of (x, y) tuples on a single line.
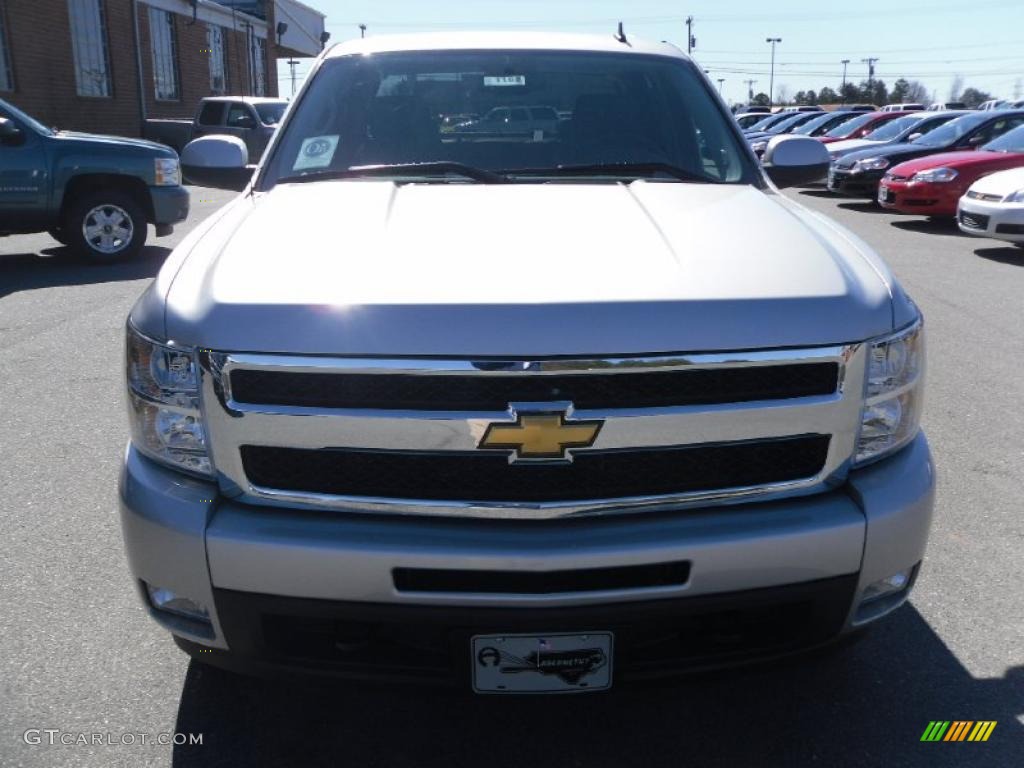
[(504, 80), (316, 152)]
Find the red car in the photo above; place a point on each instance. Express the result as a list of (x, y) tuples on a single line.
[(931, 186), (860, 126)]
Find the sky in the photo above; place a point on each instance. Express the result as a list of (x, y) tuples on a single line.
[(980, 40)]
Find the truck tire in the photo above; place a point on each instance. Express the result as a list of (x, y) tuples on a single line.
[(105, 226)]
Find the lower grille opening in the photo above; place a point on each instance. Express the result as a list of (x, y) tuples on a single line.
[(479, 476), (541, 583), (974, 220), (1010, 229), (410, 642)]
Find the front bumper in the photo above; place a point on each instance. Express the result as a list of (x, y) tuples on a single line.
[(919, 198), (1003, 221), (170, 204), (278, 582), (859, 184)]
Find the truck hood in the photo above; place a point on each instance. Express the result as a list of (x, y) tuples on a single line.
[(374, 268), (93, 139)]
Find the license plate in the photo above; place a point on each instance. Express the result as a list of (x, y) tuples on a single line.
[(559, 663), (883, 195)]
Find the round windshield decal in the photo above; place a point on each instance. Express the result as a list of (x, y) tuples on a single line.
[(316, 152)]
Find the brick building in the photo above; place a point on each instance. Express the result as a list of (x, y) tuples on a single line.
[(108, 65)]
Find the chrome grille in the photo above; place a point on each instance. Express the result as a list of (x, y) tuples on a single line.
[(744, 425)]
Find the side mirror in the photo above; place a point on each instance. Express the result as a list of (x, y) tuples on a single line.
[(218, 161), (10, 134), (792, 161)]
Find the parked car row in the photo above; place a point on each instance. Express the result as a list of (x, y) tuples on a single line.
[(968, 165), (937, 161)]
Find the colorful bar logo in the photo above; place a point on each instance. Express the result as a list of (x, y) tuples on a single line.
[(958, 730)]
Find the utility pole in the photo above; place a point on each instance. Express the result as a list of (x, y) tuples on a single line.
[(362, 30), (771, 79), (291, 66), (691, 41), (720, 81), (750, 90), (871, 71), (844, 63)]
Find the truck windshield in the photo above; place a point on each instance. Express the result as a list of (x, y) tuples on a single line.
[(13, 113), (502, 111)]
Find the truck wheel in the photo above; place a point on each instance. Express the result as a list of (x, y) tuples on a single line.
[(105, 226), (58, 234)]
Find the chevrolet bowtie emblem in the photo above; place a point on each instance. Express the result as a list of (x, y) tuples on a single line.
[(540, 435)]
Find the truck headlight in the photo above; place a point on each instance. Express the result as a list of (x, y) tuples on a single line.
[(936, 174), (871, 164), (894, 393), (163, 404), (167, 171)]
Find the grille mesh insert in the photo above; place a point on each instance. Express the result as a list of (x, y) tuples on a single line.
[(479, 392), (488, 477)]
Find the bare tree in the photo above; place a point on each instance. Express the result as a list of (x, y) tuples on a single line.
[(782, 94), (956, 87), (916, 91)]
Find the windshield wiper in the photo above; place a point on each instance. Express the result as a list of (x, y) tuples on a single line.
[(400, 169), (615, 169)]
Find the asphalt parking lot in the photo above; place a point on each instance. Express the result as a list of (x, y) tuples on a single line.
[(79, 655)]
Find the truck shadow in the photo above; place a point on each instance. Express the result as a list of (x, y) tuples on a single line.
[(57, 266), (858, 704)]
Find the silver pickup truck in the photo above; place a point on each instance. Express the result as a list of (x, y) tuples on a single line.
[(519, 413), (253, 119)]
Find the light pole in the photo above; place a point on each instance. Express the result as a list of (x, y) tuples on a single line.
[(291, 65), (771, 79), (720, 81), (691, 41), (362, 30), (750, 90), (844, 62)]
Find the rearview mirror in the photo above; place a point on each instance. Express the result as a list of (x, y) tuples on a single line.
[(914, 136), (10, 133), (792, 161), (218, 161)]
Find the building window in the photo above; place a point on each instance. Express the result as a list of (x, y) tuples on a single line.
[(6, 77), (258, 66), (89, 45), (165, 55), (218, 59)]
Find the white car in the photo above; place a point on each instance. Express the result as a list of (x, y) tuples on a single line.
[(914, 107), (994, 207)]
